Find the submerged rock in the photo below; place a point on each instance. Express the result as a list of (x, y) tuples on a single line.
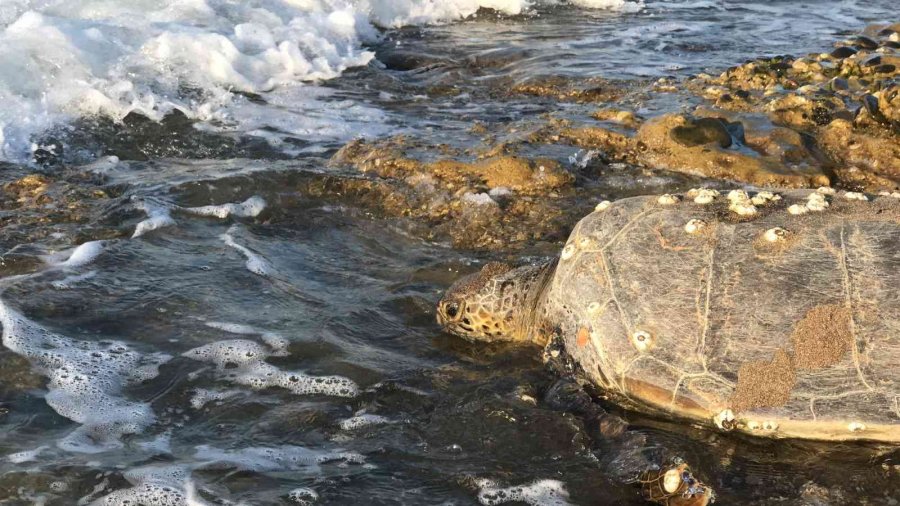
[(665, 144)]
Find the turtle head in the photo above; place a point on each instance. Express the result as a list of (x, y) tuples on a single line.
[(497, 303)]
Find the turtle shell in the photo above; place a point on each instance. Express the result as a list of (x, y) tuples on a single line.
[(738, 313)]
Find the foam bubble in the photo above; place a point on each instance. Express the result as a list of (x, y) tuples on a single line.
[(86, 381), (249, 208), (539, 493), (283, 458), (364, 420), (243, 362), (255, 263)]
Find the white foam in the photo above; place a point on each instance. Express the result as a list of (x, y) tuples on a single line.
[(243, 362), (363, 420), (276, 341), (247, 209), (539, 493), (86, 381), (303, 495), (69, 282), (620, 5), (26, 456), (203, 396), (66, 59), (283, 458), (79, 256), (158, 216), (159, 213), (255, 263), (155, 486)]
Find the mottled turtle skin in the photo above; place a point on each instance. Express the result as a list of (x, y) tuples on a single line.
[(771, 323)]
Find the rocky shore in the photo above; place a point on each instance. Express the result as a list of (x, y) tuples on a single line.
[(825, 119)]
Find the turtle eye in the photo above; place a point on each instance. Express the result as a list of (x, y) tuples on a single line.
[(451, 309)]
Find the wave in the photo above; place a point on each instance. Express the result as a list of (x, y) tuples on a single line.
[(66, 59)]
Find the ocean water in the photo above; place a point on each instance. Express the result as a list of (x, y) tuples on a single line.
[(232, 328)]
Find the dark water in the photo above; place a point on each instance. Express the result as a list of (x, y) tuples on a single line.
[(353, 293)]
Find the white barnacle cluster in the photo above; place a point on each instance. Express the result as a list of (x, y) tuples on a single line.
[(764, 197), (694, 226), (703, 196), (895, 195), (667, 199), (602, 206), (856, 196), (815, 201), (568, 252), (856, 426), (741, 204)]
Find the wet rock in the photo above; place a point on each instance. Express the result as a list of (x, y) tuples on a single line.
[(864, 42), (405, 60), (624, 118), (839, 84), (593, 90), (843, 52), (876, 154), (701, 132), (500, 202), (28, 189), (803, 113), (616, 145), (662, 150)]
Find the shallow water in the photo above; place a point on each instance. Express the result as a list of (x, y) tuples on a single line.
[(329, 380)]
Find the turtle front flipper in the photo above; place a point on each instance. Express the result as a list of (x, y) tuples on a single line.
[(672, 484)]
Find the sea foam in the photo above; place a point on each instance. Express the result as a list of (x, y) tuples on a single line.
[(243, 362), (538, 493), (86, 381), (67, 59), (160, 485), (282, 458)]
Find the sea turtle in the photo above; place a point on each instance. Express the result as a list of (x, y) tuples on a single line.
[(776, 315)]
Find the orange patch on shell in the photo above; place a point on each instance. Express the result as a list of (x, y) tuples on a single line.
[(582, 338)]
